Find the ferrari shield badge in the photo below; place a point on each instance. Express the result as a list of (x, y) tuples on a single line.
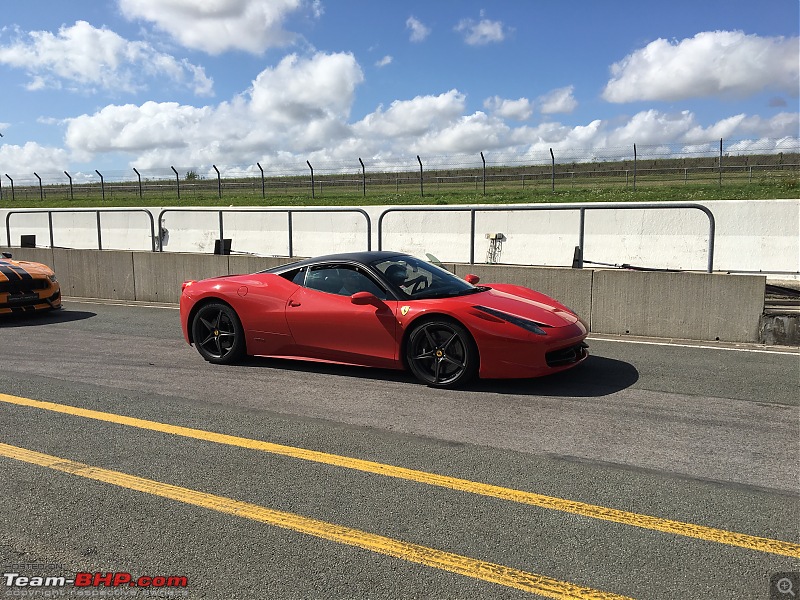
[(404, 310)]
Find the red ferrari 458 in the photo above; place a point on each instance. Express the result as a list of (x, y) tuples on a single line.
[(383, 309)]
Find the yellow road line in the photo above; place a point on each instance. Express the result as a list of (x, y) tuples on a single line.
[(711, 534), (431, 557)]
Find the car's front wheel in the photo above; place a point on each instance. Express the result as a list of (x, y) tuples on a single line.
[(441, 353), (218, 334)]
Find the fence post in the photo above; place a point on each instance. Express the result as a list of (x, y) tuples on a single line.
[(102, 184), (219, 184), (177, 181), (635, 158), (720, 162), (421, 189), (12, 187), (484, 174), (312, 178), (41, 192), (71, 197), (140, 182), (553, 170), (363, 177), (263, 194)]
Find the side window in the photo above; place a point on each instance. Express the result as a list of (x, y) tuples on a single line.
[(344, 280), (324, 279), (296, 276), (299, 277)]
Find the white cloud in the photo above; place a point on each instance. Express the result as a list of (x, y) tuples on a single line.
[(84, 57), (386, 60), (418, 30), (559, 100), (518, 110), (411, 118), (480, 33), (299, 110), (712, 63), (215, 26), (299, 106), (31, 158)]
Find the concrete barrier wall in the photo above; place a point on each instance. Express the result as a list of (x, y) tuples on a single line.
[(695, 306)]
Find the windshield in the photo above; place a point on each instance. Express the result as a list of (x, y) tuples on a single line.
[(413, 278)]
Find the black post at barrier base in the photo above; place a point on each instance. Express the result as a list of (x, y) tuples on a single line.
[(222, 246), (577, 258)]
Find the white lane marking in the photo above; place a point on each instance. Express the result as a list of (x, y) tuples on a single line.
[(102, 301), (790, 350)]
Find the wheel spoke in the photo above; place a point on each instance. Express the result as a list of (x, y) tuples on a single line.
[(447, 343), (454, 362), (438, 364)]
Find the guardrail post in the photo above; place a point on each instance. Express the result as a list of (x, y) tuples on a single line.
[(71, 196), (291, 241), (99, 231), (578, 257), (263, 191), (140, 182), (472, 234), (12, 189), (102, 184), (177, 181), (553, 170), (41, 192), (421, 189)]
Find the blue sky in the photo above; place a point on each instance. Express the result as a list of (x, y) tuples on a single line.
[(117, 84)]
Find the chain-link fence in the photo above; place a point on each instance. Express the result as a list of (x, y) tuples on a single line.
[(545, 168)]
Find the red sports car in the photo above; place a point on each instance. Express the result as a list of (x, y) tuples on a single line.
[(383, 309)]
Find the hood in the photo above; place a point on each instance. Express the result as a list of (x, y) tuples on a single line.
[(541, 309), (23, 266)]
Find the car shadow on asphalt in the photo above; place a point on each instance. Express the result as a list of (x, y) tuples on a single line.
[(49, 317), (596, 376)]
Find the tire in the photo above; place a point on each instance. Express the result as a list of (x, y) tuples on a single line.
[(442, 354), (218, 334)]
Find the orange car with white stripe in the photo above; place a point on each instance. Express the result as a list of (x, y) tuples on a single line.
[(27, 286)]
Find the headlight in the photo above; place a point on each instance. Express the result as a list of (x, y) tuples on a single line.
[(526, 324)]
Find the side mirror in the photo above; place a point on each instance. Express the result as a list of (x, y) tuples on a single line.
[(365, 298), (6, 254), (473, 279)]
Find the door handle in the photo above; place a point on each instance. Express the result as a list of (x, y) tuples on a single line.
[(293, 303)]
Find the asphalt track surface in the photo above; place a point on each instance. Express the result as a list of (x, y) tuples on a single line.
[(653, 470)]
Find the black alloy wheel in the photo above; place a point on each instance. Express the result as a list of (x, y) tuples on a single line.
[(218, 334), (442, 354)]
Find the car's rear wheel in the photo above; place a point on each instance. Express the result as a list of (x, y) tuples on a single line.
[(441, 353), (218, 334)]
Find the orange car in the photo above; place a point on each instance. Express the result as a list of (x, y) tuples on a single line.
[(27, 286)]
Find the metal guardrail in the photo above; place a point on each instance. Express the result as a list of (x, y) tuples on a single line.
[(156, 244), (579, 207), (289, 212), (97, 213)]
